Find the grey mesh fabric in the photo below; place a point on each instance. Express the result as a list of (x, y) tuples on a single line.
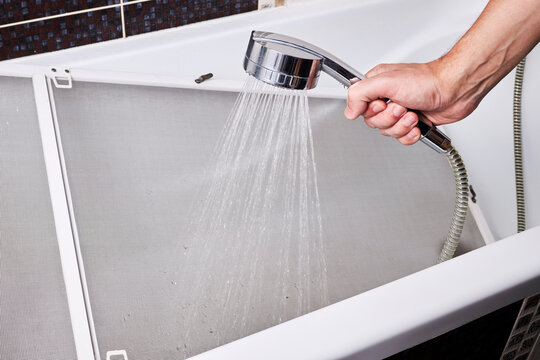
[(34, 316), (135, 156)]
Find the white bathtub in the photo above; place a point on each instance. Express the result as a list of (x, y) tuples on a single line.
[(378, 322)]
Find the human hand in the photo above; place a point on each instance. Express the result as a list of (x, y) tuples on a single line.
[(422, 87)]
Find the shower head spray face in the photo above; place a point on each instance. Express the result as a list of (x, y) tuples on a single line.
[(291, 63)]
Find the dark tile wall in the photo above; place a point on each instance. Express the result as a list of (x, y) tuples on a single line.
[(92, 26), (16, 10), (60, 33), (163, 14)]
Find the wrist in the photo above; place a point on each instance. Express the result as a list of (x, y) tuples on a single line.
[(449, 80)]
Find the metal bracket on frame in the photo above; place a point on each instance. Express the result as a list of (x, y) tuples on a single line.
[(61, 77)]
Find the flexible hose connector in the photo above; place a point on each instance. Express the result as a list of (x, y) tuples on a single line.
[(513, 347), (460, 207), (518, 160)]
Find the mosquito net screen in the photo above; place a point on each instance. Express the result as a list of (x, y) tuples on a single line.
[(136, 157), (34, 317)]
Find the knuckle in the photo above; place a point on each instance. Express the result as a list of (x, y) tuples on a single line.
[(378, 69), (382, 67), (397, 131), (385, 122)]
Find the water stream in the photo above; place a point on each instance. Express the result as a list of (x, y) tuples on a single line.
[(256, 237)]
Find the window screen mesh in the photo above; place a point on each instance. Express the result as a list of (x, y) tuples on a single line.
[(34, 316), (135, 156)]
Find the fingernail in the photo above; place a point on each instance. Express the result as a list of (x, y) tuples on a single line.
[(377, 108), (408, 120), (398, 111), (413, 134)]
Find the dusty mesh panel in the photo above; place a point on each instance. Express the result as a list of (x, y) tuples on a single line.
[(135, 156), (34, 317)]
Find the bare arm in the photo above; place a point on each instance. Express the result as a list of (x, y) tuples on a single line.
[(449, 88)]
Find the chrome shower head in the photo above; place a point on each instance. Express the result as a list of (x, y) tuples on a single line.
[(291, 63), (282, 65)]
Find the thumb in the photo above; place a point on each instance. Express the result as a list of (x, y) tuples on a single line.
[(363, 92)]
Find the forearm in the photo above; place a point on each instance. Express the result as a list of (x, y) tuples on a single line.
[(503, 34), (450, 88)]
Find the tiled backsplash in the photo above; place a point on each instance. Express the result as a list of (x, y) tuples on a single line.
[(38, 26), (162, 14)]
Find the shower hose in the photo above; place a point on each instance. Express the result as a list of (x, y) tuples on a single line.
[(462, 187), (460, 207), (517, 329), (518, 160)]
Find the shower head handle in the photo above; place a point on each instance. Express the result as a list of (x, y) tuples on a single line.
[(288, 62)]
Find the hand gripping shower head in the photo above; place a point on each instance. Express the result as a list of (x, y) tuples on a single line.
[(291, 63)]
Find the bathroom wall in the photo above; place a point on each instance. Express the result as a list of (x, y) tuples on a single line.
[(30, 27)]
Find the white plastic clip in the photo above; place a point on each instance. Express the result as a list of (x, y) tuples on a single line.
[(61, 78), (266, 4), (116, 353)]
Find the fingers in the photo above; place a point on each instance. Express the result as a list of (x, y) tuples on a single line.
[(412, 137), (374, 108), (364, 98), (403, 126), (396, 122), (387, 118)]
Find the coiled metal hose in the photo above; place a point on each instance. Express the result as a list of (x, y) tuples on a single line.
[(512, 346), (462, 186), (518, 160), (460, 207)]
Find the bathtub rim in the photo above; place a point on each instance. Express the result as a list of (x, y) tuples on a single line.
[(146, 79)]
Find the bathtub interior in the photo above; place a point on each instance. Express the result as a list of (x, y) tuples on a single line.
[(34, 317), (135, 156)]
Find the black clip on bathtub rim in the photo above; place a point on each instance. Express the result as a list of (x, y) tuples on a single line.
[(204, 77)]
